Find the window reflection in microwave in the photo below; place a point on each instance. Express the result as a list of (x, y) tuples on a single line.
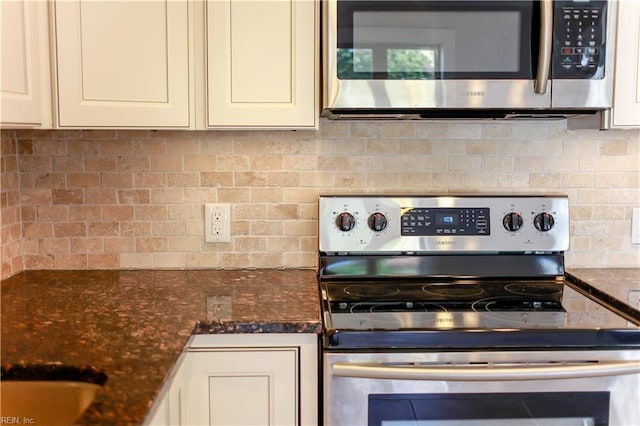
[(397, 63)]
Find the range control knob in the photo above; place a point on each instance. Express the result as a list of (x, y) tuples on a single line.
[(377, 222), (543, 222), (345, 221), (512, 222)]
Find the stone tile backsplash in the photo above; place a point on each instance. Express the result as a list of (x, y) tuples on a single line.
[(108, 199)]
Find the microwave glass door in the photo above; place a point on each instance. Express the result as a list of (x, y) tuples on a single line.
[(435, 40), (420, 56)]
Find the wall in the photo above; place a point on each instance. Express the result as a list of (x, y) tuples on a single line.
[(106, 199), (10, 229)]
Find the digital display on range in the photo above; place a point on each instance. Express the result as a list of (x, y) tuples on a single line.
[(447, 219), (427, 221)]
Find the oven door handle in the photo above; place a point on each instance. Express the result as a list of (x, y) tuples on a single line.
[(490, 372)]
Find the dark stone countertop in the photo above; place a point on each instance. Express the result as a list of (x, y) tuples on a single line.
[(616, 283), (611, 286), (133, 325)]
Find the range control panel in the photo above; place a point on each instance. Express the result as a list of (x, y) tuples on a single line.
[(443, 223)]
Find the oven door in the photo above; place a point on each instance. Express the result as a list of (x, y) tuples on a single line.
[(482, 388), (436, 54)]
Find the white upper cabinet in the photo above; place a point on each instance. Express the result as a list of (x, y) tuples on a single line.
[(626, 98), (262, 63), (123, 63), (187, 64), (25, 83)]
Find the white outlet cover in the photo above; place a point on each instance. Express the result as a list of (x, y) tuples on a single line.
[(217, 223)]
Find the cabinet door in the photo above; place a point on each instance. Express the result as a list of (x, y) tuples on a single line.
[(24, 82), (122, 63), (626, 104), (262, 63), (241, 387)]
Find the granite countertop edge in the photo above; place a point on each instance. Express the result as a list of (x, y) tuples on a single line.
[(242, 327)]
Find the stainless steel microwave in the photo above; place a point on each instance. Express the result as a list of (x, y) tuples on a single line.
[(467, 58)]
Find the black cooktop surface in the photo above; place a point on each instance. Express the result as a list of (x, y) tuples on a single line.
[(407, 296), (467, 313), (411, 304)]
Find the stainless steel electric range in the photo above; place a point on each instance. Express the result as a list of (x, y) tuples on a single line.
[(455, 309)]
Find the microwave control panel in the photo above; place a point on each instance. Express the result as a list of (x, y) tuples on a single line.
[(579, 39)]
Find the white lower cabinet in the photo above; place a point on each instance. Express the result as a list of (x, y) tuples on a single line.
[(243, 379), (241, 386)]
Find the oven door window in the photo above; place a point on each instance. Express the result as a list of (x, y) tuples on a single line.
[(434, 40), (495, 409)]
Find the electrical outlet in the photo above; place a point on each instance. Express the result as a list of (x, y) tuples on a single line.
[(217, 223), (635, 226), (634, 299)]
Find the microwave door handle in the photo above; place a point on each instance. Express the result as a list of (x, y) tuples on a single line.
[(490, 372), (544, 51)]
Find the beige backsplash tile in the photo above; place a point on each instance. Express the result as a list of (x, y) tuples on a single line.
[(106, 199)]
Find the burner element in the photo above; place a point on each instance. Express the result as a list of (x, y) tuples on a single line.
[(515, 304), (453, 290), (396, 307), (533, 288), (371, 290)]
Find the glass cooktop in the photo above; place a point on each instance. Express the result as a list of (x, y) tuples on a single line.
[(463, 314), (410, 304)]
